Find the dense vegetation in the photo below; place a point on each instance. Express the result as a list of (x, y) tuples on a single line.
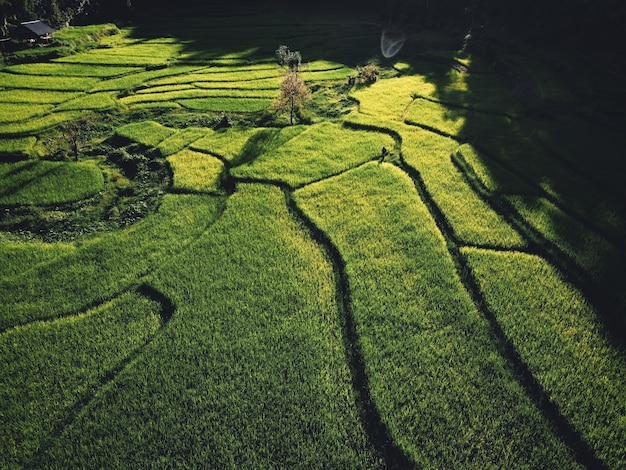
[(425, 270)]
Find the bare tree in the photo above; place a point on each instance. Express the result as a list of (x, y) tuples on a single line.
[(293, 94), (78, 131)]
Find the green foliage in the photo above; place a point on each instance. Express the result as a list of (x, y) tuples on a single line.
[(43, 182), (46, 82), (559, 336)]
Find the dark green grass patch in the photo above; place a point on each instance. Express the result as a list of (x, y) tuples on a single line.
[(48, 368), (69, 70), (442, 388), (196, 172), (105, 265), (16, 148), (18, 256), (43, 182), (549, 85), (181, 140), (320, 151), (148, 133), (11, 80), (251, 370), (559, 336)]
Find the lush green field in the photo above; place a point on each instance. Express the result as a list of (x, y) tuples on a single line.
[(426, 271)]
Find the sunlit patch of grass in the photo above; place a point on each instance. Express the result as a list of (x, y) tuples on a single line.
[(254, 353), (92, 101), (390, 98), (38, 124), (196, 172), (227, 143), (181, 140), (148, 133), (49, 367), (20, 147), (443, 390), (14, 112), (105, 265), (559, 336), (44, 182), (321, 150), (11, 80), (69, 70), (226, 104), (133, 80), (36, 96)]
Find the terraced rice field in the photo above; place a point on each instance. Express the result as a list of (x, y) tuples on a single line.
[(299, 297)]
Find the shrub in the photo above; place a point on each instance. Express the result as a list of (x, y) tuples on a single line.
[(367, 74)]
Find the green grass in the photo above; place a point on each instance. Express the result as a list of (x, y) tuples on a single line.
[(106, 265), (435, 373), (320, 151), (15, 112), (19, 147), (254, 353), (181, 140), (92, 101), (38, 125), (42, 182), (69, 70), (134, 80), (148, 133), (227, 143), (226, 104), (36, 96), (196, 172), (559, 336), (11, 80), (43, 379), (17, 257)]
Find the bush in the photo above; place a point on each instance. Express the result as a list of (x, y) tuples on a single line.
[(367, 74)]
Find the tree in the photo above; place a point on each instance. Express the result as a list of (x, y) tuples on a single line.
[(287, 58), (293, 94), (78, 131)]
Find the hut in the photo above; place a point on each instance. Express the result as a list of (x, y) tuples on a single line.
[(34, 31)]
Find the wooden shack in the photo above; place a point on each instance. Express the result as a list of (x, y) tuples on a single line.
[(34, 31)]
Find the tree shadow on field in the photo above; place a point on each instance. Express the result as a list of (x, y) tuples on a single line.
[(566, 208), (253, 33)]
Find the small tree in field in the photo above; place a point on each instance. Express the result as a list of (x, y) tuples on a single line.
[(293, 94), (78, 131)]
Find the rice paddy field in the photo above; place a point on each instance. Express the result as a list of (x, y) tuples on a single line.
[(423, 272)]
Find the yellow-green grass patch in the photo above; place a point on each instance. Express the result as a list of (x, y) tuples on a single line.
[(67, 70), (36, 96), (389, 98), (558, 335), (13, 112), (43, 182), (436, 376), (133, 80), (226, 104), (17, 147), (49, 367), (38, 124), (320, 151), (196, 172), (254, 353), (35, 82), (181, 139), (92, 101), (148, 133)]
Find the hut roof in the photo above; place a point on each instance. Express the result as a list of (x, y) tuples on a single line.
[(34, 29)]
